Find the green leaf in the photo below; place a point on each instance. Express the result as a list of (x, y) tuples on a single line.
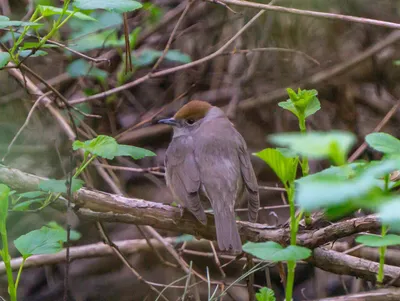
[(46, 240), (74, 235), (379, 241), (389, 213), (59, 186), (4, 193), (133, 151), (265, 294), (149, 56), (102, 146), (273, 251), (31, 194), (107, 147), (47, 11), (289, 106), (318, 145), (177, 56), (105, 39), (119, 6), (25, 53), (4, 59), (155, 13), (81, 68), (23, 206), (184, 238), (384, 143), (105, 19), (5, 22), (285, 168), (302, 104), (313, 106), (329, 189)]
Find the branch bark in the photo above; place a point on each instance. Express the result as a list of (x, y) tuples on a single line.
[(102, 206)]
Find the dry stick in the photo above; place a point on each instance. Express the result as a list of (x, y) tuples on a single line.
[(272, 49), (152, 170), (25, 124), (216, 259), (20, 93), (154, 249), (392, 294), (82, 252), (170, 70), (172, 36), (309, 13), (250, 279), (55, 91), (381, 124), (118, 253)]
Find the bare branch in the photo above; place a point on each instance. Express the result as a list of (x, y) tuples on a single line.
[(309, 13)]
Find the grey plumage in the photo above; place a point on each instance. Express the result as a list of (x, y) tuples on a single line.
[(209, 160)]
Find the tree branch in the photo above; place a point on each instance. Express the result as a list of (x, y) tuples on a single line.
[(102, 206), (310, 13)]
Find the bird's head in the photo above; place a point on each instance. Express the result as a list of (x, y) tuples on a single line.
[(189, 116)]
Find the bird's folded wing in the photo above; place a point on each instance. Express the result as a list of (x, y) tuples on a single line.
[(183, 176), (250, 180)]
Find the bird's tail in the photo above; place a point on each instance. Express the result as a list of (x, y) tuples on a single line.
[(227, 233)]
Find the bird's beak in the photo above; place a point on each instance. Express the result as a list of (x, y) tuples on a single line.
[(169, 121)]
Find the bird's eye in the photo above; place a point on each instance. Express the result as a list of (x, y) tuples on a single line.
[(190, 121)]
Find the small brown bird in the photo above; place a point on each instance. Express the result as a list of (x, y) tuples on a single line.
[(207, 160)]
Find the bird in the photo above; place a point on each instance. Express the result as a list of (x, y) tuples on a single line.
[(207, 163)]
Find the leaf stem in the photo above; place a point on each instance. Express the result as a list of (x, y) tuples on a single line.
[(12, 291), (382, 251), (83, 166), (291, 265), (19, 272)]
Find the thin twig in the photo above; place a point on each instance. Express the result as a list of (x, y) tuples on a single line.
[(216, 259), (25, 124), (309, 13), (172, 36), (121, 256), (381, 124)]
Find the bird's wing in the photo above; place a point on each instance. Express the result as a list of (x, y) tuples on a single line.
[(183, 175), (249, 179), (217, 157)]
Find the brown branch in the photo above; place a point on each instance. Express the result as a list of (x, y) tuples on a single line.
[(97, 205), (101, 206), (392, 294), (309, 13), (343, 264)]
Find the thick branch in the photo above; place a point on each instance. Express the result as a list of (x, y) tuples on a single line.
[(344, 264), (102, 206)]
